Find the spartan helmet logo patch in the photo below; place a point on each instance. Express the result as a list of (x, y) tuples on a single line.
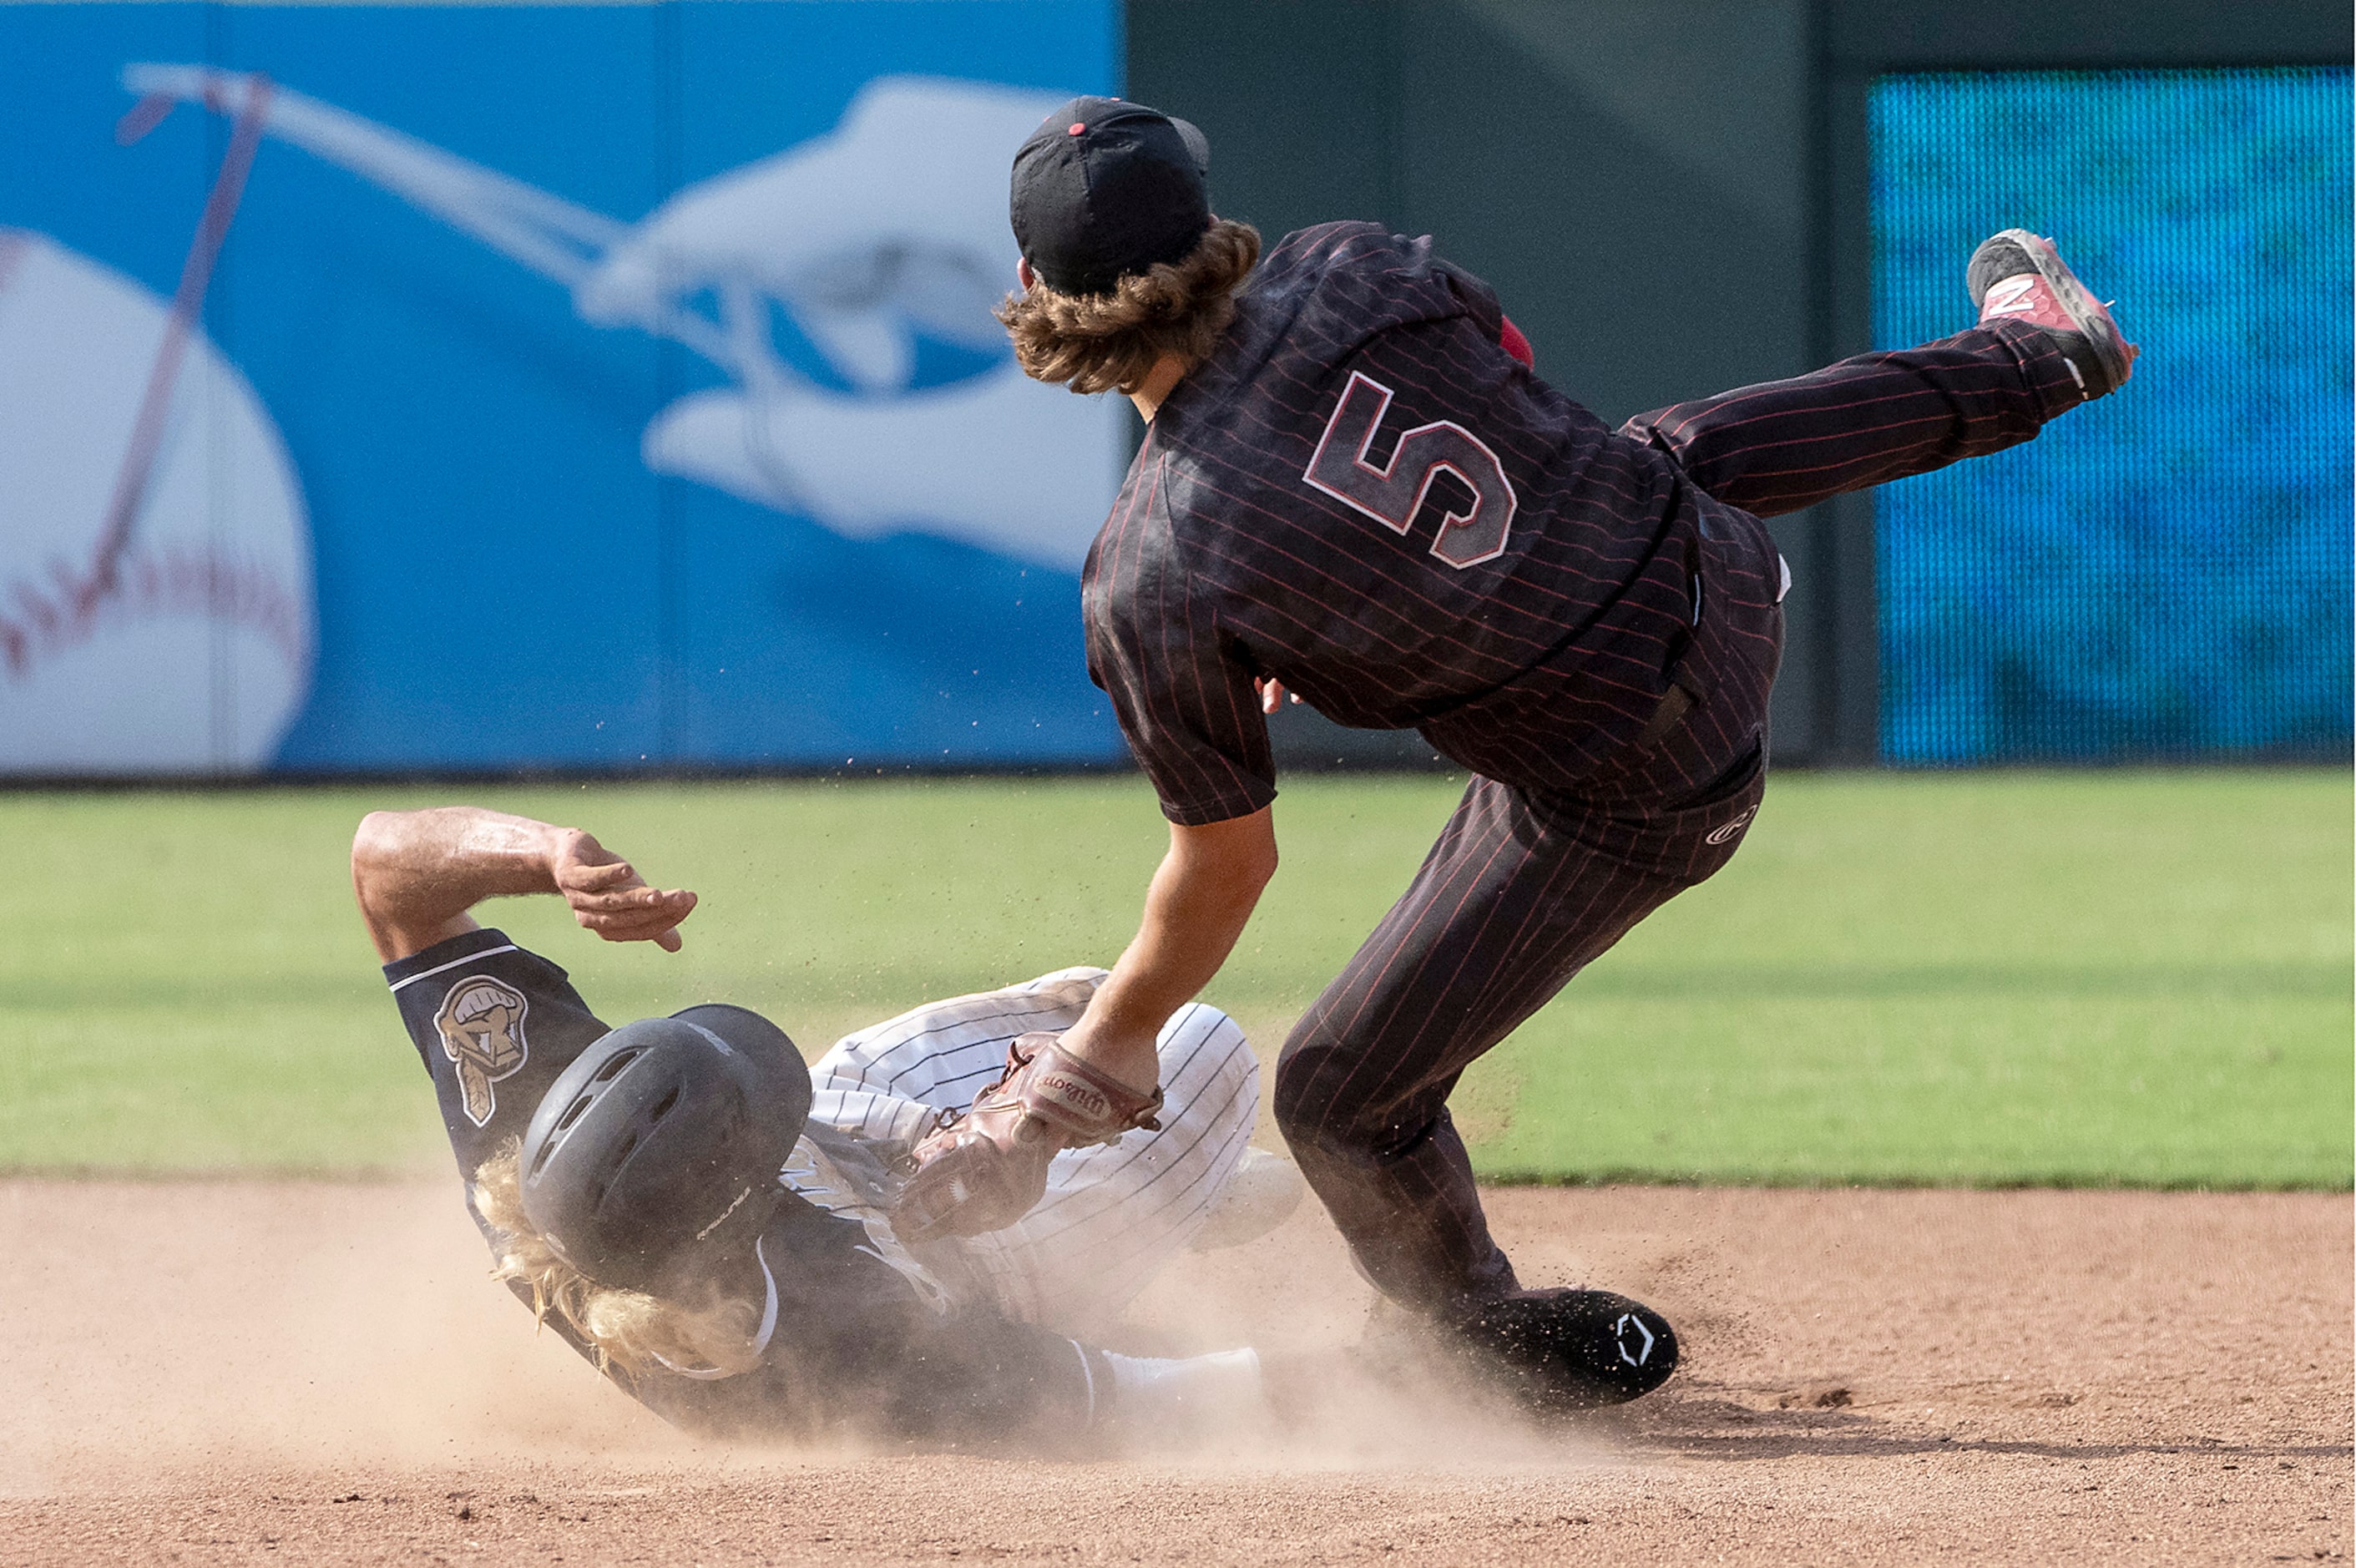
[(481, 1022)]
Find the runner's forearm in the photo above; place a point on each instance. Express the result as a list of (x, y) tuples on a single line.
[(416, 874)]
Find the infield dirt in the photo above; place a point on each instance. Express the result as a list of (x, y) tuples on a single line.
[(204, 1372)]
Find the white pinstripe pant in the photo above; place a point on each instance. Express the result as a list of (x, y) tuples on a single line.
[(1114, 1214)]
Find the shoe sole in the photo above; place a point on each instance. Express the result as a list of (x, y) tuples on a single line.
[(2092, 316)]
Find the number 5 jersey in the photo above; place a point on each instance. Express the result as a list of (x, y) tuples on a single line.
[(1362, 494)]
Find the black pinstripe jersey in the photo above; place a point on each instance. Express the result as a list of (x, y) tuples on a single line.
[(1361, 493)]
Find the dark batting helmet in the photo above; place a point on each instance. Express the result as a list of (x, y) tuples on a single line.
[(660, 1145)]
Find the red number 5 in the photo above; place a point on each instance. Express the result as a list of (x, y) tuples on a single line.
[(1393, 495)]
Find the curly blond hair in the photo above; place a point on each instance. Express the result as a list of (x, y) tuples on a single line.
[(1110, 342), (626, 1328)]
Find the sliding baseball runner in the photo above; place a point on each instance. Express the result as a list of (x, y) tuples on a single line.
[(708, 1220)]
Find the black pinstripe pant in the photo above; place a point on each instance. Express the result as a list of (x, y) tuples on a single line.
[(1524, 889)]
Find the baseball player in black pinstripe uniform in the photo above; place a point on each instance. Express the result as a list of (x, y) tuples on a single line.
[(1353, 486)]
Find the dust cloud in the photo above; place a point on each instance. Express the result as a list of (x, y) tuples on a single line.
[(154, 1327), (211, 1372)]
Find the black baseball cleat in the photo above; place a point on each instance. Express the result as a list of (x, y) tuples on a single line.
[(1568, 1349), (2019, 277)]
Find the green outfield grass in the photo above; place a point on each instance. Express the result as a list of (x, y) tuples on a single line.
[(2073, 977)]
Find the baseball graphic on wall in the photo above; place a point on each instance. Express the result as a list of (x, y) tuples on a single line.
[(179, 639)]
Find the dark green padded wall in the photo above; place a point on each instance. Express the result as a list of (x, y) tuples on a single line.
[(1668, 195)]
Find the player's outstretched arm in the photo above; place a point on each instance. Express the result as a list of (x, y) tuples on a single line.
[(417, 874), (1201, 898), (985, 1170)]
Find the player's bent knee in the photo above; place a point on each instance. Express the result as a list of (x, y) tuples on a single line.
[(1321, 1110), (1309, 1114), (1205, 1039), (1207, 1061)]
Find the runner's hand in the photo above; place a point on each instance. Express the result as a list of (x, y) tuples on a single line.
[(608, 896)]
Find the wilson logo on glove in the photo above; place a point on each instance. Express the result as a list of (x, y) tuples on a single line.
[(1063, 1089)]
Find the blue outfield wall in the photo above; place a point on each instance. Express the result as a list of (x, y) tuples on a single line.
[(2165, 575), (578, 386), (614, 386)]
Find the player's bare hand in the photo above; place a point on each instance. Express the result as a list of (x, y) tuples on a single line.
[(608, 896), (1271, 693)]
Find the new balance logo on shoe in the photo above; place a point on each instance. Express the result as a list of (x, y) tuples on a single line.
[(2012, 297), (2019, 276)]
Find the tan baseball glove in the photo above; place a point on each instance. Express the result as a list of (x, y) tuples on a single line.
[(984, 1168)]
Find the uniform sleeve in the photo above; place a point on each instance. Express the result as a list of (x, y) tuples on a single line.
[(494, 1026), (1181, 687)]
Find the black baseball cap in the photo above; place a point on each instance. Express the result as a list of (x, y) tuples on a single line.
[(660, 1143), (1104, 189)]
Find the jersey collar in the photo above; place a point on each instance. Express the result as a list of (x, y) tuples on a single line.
[(760, 1337)]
